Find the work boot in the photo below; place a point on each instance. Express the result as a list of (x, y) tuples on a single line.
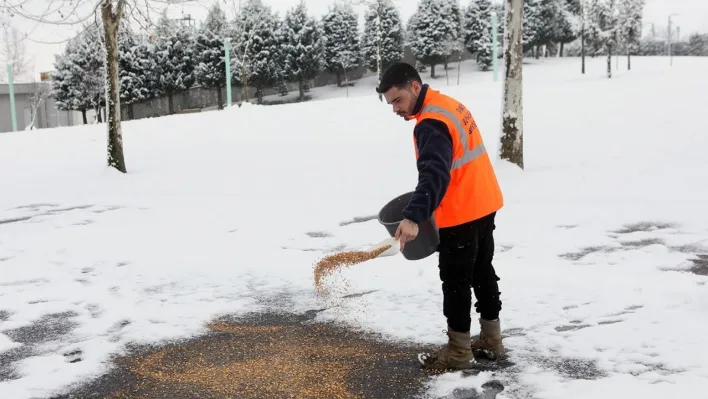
[(455, 355), (489, 343)]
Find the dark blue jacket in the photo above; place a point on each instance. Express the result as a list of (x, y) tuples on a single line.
[(434, 162)]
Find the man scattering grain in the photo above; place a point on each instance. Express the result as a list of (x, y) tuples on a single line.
[(457, 184)]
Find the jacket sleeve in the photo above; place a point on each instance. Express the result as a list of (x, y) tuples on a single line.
[(434, 162)]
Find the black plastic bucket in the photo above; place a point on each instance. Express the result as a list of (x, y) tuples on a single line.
[(428, 239)]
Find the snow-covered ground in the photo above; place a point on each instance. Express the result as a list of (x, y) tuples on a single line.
[(222, 209)]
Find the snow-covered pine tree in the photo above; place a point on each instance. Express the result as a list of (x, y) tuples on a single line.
[(303, 47), (484, 43), (66, 81), (594, 37), (210, 70), (342, 51), (531, 24), (146, 58), (390, 36), (454, 20), (259, 41), (604, 14), (698, 45), (472, 28), (175, 57), (131, 70), (548, 27), (568, 24), (429, 33), (631, 12), (90, 69)]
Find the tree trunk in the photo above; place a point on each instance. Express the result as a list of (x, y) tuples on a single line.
[(582, 50), (111, 20), (432, 71), (99, 115), (219, 100), (34, 116), (131, 112), (83, 115), (339, 78), (301, 87), (170, 103), (512, 139), (379, 40), (629, 62), (561, 49), (244, 79), (609, 61), (538, 52)]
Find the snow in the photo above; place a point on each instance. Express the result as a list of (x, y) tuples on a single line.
[(213, 217)]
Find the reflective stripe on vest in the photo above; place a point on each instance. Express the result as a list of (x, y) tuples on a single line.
[(469, 155)]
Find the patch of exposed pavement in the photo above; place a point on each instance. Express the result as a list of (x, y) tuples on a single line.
[(700, 265), (266, 355), (38, 210), (318, 234), (700, 260), (50, 327)]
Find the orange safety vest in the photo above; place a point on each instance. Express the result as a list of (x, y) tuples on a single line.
[(473, 191)]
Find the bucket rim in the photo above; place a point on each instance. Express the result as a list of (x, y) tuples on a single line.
[(381, 211)]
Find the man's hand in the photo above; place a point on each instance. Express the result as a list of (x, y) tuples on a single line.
[(406, 231)]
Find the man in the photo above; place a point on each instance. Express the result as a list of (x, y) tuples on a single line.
[(457, 185)]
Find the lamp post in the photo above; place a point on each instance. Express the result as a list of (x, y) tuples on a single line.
[(10, 81), (668, 39), (227, 61)]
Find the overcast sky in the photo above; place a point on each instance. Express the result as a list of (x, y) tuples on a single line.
[(692, 17)]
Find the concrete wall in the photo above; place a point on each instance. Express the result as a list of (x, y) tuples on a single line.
[(47, 114)]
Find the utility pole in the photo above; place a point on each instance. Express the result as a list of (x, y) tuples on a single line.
[(10, 81), (582, 36), (668, 39), (227, 56)]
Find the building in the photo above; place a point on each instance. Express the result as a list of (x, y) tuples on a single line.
[(47, 113)]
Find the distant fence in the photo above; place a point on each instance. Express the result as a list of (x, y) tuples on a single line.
[(200, 98)]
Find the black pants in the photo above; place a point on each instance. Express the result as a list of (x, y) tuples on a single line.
[(466, 253)]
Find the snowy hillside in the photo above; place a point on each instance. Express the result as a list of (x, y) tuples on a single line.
[(598, 246)]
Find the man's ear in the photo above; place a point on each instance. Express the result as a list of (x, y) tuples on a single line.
[(417, 87)]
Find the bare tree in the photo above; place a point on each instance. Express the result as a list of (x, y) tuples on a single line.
[(40, 92), (512, 138), (12, 51), (111, 12), (111, 15)]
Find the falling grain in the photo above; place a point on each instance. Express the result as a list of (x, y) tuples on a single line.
[(338, 261)]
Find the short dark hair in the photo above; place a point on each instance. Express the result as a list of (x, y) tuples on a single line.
[(398, 75)]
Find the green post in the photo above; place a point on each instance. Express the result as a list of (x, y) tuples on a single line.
[(13, 114), (228, 72), (495, 51)]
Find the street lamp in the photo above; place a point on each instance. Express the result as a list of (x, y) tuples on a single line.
[(668, 38)]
